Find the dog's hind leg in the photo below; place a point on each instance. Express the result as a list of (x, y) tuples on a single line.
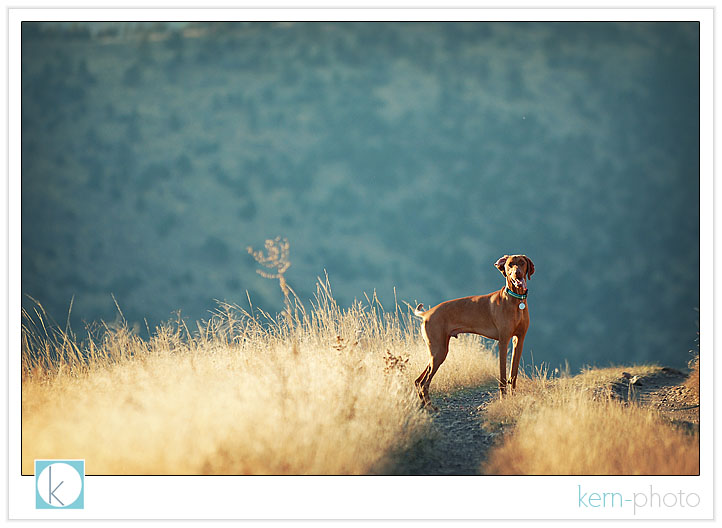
[(438, 355), (419, 383), (421, 380)]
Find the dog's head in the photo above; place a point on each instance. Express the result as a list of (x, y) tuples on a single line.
[(517, 269)]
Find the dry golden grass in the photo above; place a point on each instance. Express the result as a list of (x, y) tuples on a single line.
[(570, 426), (693, 379), (540, 389), (328, 391)]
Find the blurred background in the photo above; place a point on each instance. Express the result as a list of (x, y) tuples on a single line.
[(402, 158)]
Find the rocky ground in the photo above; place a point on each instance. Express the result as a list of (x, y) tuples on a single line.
[(665, 391)]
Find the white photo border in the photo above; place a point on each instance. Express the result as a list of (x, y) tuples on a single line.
[(335, 497)]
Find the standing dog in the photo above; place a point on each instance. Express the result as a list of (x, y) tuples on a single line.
[(502, 315)]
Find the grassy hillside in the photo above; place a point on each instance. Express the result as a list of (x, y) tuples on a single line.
[(403, 158), (327, 391), (322, 390)]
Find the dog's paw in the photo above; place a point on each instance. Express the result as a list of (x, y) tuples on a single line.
[(428, 406)]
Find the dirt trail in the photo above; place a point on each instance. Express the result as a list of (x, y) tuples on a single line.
[(457, 444)]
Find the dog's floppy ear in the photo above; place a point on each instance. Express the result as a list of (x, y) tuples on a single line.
[(529, 267), (501, 264)]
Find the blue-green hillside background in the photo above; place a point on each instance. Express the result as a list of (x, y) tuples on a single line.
[(393, 155)]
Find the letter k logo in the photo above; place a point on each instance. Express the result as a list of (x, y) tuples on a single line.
[(51, 491)]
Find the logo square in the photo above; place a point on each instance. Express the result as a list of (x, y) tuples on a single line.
[(60, 484)]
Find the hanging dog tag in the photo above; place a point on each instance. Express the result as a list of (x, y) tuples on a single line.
[(522, 306)]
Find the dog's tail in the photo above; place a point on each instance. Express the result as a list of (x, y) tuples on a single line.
[(419, 311)]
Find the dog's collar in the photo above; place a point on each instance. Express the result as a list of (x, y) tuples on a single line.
[(515, 295)]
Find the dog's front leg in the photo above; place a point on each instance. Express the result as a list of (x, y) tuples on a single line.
[(503, 345), (518, 343)]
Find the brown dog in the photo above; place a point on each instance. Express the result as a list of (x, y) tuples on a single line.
[(502, 315)]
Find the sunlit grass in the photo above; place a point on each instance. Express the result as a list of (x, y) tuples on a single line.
[(319, 391)]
